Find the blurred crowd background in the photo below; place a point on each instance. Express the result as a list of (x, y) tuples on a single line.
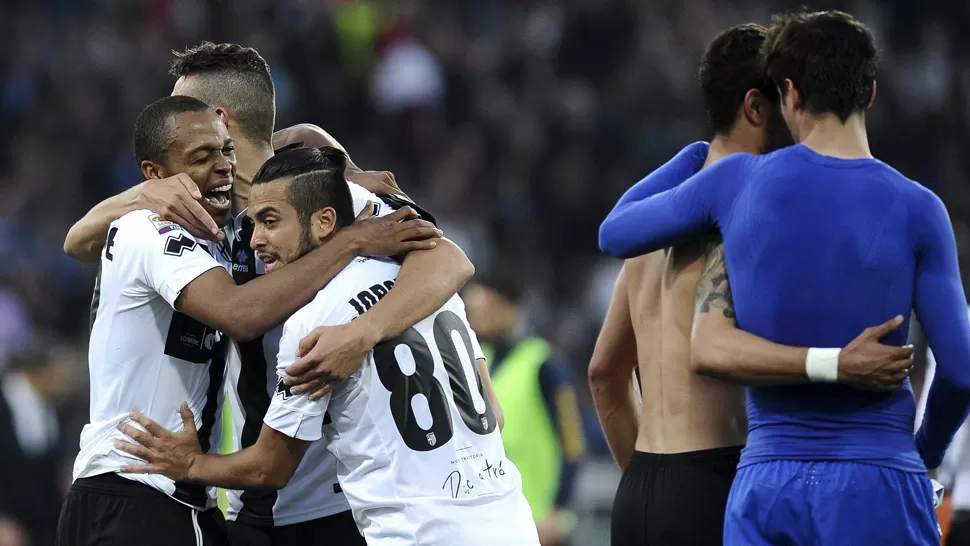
[(518, 123)]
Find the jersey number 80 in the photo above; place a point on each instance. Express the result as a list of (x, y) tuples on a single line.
[(404, 387)]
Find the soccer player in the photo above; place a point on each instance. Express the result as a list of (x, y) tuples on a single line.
[(162, 302), (821, 239), (679, 441), (426, 469), (237, 82)]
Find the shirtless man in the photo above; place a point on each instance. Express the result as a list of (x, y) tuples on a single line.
[(679, 443)]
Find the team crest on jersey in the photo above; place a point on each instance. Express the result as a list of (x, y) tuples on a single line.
[(485, 423), (431, 439), (282, 389), (162, 225)]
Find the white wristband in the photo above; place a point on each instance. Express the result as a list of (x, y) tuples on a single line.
[(822, 365)]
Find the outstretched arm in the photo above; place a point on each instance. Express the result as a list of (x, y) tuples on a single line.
[(663, 210), (720, 349), (267, 464), (254, 308), (941, 309), (175, 198), (313, 136)]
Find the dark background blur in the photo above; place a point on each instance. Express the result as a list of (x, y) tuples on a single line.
[(518, 123)]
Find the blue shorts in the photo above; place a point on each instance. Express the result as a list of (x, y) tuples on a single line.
[(806, 503)]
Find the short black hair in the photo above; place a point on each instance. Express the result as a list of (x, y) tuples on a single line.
[(317, 181), (829, 56), (153, 132), (236, 77), (729, 68)]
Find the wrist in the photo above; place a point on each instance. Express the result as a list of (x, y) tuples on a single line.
[(370, 330), (348, 242), (822, 365), (194, 471), (136, 198)]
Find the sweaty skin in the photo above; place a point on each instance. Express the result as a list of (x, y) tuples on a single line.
[(682, 411)]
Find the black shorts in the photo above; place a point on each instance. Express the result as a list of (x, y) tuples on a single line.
[(336, 530), (109, 510), (674, 499)]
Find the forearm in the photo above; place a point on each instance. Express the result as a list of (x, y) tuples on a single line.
[(266, 302), (623, 233), (267, 464), (427, 280), (733, 355), (618, 407), (941, 309), (86, 238), (246, 469)]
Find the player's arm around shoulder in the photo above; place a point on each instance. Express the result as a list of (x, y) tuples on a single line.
[(176, 198), (153, 255), (719, 348), (426, 281)]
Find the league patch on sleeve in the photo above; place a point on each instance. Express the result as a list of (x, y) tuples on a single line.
[(162, 225)]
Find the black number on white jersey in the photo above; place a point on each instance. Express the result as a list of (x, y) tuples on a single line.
[(111, 242), (403, 387), (175, 246)]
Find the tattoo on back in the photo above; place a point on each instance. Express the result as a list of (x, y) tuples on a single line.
[(714, 288)]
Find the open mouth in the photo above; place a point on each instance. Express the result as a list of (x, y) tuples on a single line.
[(219, 197), (269, 261)]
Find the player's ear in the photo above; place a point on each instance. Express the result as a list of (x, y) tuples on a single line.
[(223, 114), (794, 97), (324, 223), (752, 107), (872, 98), (151, 170)]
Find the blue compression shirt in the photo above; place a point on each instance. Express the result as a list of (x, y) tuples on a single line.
[(817, 250)]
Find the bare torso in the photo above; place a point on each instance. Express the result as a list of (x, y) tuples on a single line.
[(682, 411)]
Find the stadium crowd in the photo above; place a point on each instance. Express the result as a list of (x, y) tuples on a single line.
[(517, 123)]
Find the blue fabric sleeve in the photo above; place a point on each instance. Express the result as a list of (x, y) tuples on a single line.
[(941, 307), (617, 231), (675, 214), (553, 378)]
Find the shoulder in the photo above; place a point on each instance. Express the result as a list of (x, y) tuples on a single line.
[(144, 229), (146, 222), (353, 291)]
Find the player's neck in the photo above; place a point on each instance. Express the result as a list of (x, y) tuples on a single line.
[(249, 158), (725, 145), (827, 135)]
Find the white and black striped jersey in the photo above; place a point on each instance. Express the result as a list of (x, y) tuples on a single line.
[(313, 492), (146, 356), (420, 454)]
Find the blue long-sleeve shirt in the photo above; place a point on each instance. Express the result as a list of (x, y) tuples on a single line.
[(818, 249)]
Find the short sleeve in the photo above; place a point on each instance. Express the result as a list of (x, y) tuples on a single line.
[(166, 257), (294, 415)]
